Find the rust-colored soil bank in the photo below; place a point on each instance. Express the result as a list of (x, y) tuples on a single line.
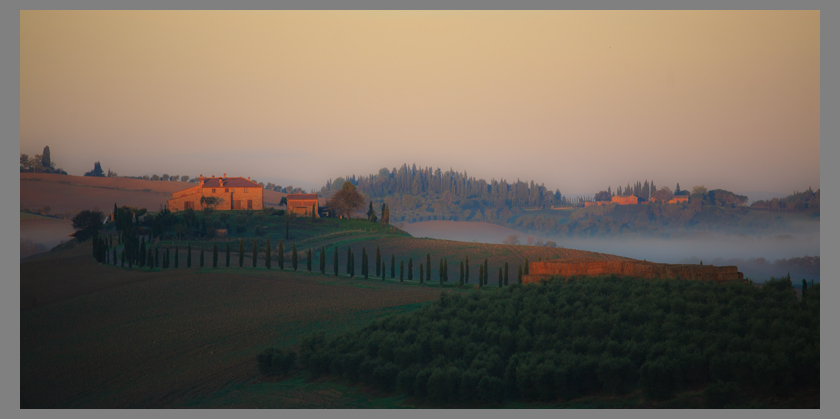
[(635, 268)]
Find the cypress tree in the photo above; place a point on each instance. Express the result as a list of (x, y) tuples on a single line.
[(215, 255), (500, 276), (410, 269), (364, 264), (402, 269), (309, 260), (467, 270), (519, 275), (525, 268), (378, 259), (486, 272), (227, 255), (176, 257), (149, 258), (393, 267), (268, 253), (168, 258), (323, 260), (804, 288), (445, 270), (480, 276), (142, 252), (157, 258), (349, 260), (189, 255), (129, 255), (421, 274), (241, 252), (294, 257), (506, 273), (428, 267), (281, 258), (352, 265), (335, 260), (440, 272), (461, 276), (254, 254)]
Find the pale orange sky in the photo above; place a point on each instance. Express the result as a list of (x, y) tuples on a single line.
[(577, 100)]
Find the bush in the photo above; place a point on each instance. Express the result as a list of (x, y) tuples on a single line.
[(273, 361)]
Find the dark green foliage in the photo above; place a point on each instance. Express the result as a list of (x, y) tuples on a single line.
[(322, 260), (335, 260), (393, 267), (519, 275), (440, 272), (402, 270), (149, 262), (467, 270), (157, 258), (254, 254), (227, 255), (480, 275), (500, 277), (461, 275), (428, 267), (273, 361), (364, 263), (506, 273), (564, 340), (486, 272), (383, 271), (87, 223), (215, 255), (422, 274), (267, 253), (281, 257), (526, 266), (378, 259), (241, 252)]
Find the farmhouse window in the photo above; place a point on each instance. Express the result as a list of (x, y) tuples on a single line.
[(246, 190), (214, 190), (188, 205)]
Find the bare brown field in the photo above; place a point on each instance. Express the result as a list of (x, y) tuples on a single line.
[(97, 336), (76, 193)]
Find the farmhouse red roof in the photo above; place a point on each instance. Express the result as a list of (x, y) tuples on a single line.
[(301, 196), (231, 182)]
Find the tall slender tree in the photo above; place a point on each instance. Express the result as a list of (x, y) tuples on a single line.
[(526, 266), (268, 253), (445, 270), (440, 272), (294, 257), (149, 262), (349, 260), (215, 255), (281, 257), (241, 252), (410, 269), (393, 267), (383, 271), (467, 270), (428, 267), (352, 265), (227, 254), (364, 263), (157, 259), (176, 257), (142, 252), (189, 255), (335, 260), (378, 259), (254, 255)]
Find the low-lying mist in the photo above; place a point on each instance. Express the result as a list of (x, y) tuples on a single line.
[(706, 247)]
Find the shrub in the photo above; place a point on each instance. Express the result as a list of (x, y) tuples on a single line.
[(273, 361)]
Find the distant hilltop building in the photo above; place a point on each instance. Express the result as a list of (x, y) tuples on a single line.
[(675, 200), (302, 204), (234, 193), (618, 199)]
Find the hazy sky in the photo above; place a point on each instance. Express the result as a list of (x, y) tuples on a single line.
[(576, 100)]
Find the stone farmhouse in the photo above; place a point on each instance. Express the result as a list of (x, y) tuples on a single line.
[(620, 200), (675, 200), (301, 204), (236, 193)]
